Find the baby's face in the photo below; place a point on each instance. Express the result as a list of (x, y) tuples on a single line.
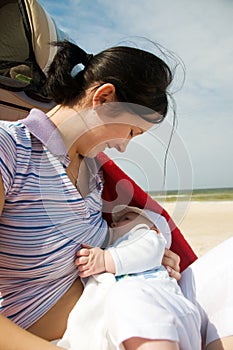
[(126, 222), (126, 219)]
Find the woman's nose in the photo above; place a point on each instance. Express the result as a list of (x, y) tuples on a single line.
[(121, 147)]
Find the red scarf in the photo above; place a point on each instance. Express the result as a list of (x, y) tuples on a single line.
[(119, 188)]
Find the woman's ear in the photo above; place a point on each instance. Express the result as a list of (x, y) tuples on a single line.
[(104, 93)]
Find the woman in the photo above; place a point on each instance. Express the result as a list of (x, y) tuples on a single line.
[(50, 194)]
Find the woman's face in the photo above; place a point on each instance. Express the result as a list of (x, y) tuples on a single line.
[(111, 133), (108, 136), (108, 123)]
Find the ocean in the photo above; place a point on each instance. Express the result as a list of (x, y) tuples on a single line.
[(208, 194)]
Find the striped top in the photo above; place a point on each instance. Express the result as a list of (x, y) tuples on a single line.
[(44, 220)]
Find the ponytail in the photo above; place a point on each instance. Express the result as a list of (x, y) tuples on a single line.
[(63, 85)]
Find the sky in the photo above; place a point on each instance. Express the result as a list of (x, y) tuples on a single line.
[(199, 33)]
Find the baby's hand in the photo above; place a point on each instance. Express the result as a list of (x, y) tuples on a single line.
[(90, 261)]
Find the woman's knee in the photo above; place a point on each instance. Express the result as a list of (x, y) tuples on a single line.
[(221, 344)]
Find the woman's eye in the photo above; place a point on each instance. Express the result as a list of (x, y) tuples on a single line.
[(135, 132)]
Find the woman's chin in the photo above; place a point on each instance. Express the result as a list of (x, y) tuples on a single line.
[(95, 151)]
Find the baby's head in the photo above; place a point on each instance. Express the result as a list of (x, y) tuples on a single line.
[(124, 215), (124, 218)]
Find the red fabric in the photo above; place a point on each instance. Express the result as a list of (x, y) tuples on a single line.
[(119, 188)]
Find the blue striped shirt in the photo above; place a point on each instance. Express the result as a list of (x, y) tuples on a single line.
[(44, 220)]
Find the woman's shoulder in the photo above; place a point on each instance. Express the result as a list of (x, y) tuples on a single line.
[(7, 136), (13, 142), (13, 133)]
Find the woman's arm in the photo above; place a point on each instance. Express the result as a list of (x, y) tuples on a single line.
[(12, 337), (2, 195)]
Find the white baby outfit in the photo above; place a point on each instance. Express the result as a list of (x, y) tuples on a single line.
[(144, 302)]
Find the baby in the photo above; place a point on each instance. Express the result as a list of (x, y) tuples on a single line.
[(144, 306), (129, 236)]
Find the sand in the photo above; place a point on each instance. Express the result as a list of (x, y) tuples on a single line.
[(204, 224)]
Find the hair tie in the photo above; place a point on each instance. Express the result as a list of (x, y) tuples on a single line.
[(76, 69), (80, 66)]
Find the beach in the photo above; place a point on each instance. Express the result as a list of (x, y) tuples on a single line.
[(204, 224)]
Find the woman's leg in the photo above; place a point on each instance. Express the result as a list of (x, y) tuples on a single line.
[(208, 282), (148, 344), (221, 344)]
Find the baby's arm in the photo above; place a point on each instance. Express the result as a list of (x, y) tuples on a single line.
[(142, 251)]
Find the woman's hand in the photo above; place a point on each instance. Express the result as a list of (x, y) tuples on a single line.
[(172, 263)]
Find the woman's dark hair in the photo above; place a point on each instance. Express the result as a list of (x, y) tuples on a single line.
[(139, 76)]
